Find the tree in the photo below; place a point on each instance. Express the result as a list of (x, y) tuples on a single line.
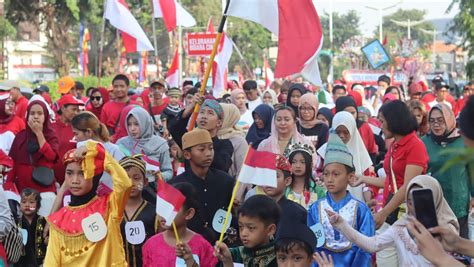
[(464, 26), (396, 32), (345, 26)]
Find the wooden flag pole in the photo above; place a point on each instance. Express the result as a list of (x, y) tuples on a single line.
[(229, 208), (101, 44), (176, 233), (209, 66)]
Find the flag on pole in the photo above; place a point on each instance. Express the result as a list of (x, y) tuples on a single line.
[(221, 61), (173, 14), (267, 71), (84, 50), (133, 36), (172, 77), (259, 168), (169, 201), (299, 31)]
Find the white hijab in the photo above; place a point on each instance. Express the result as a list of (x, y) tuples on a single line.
[(355, 145)]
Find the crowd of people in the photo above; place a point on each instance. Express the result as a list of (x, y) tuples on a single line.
[(80, 175)]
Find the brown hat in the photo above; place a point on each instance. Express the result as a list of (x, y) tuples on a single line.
[(161, 82), (196, 137)]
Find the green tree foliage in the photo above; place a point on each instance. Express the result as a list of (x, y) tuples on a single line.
[(395, 32), (345, 26), (6, 29), (464, 26)]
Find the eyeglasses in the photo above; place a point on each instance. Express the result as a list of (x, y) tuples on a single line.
[(96, 98), (436, 121)]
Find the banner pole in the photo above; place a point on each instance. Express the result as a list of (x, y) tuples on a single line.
[(209, 66)]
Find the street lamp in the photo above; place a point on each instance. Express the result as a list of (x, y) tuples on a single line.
[(407, 23), (380, 9)]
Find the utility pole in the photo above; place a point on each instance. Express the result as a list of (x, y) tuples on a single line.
[(434, 33), (380, 10), (407, 23)]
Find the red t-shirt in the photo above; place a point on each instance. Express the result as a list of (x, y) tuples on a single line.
[(410, 150), (14, 126), (66, 143), (368, 137), (111, 112), (21, 106)]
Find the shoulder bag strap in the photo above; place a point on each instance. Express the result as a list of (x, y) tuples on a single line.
[(394, 180)]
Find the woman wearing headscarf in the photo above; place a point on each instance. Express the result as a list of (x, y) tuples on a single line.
[(442, 138), (294, 94), (269, 97), (284, 133), (97, 99), (141, 139), (345, 127), (262, 126), (325, 115), (34, 147), (122, 124), (237, 97), (347, 103), (397, 235), (308, 123), (229, 131), (8, 121)]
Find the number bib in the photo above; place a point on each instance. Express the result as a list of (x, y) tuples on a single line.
[(180, 262), (218, 221), (318, 231), (135, 232), (94, 227)]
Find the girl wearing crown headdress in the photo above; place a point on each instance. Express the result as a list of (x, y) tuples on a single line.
[(302, 190)]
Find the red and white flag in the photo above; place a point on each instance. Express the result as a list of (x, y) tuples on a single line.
[(299, 31), (259, 168), (267, 71), (173, 14), (169, 201), (172, 77), (221, 61), (133, 36)]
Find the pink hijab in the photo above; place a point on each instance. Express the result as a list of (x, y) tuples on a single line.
[(311, 100)]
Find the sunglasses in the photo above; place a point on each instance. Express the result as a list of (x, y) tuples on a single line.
[(96, 98)]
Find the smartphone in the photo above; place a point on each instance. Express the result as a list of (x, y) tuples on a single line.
[(425, 211)]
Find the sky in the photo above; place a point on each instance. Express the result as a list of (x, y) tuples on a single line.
[(436, 9)]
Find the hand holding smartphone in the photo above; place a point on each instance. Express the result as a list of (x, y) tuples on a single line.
[(424, 206)]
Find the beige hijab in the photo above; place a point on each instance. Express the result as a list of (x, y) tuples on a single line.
[(444, 213), (231, 118)]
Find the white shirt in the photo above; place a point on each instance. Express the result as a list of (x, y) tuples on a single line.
[(253, 104)]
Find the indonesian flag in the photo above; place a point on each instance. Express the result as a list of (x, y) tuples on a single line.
[(169, 201), (173, 14), (151, 165), (269, 77), (133, 36), (259, 168), (299, 31), (172, 77), (221, 61)]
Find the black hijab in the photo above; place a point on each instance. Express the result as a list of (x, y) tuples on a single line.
[(295, 87)]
